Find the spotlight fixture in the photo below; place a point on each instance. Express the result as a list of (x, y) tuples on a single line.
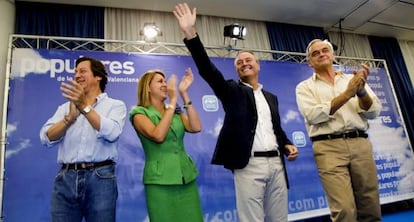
[(235, 31), (150, 32)]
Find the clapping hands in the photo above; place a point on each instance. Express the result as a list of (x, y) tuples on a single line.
[(183, 86)]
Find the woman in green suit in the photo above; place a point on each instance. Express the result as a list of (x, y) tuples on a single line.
[(169, 174)]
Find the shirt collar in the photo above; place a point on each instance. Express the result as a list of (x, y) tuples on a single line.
[(259, 86), (316, 76), (101, 97)]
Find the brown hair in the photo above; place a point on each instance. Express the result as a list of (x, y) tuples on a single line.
[(98, 69)]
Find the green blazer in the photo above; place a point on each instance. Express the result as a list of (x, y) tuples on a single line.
[(166, 163)]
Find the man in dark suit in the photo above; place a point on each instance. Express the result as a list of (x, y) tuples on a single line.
[(251, 142)]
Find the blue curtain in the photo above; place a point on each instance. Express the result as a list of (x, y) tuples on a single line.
[(292, 38), (389, 50), (59, 20)]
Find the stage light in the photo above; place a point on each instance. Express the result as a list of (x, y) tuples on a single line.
[(150, 32), (235, 31)]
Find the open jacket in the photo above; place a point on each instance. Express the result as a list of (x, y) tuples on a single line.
[(234, 144)]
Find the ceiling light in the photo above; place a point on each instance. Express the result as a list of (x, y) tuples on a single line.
[(235, 31), (150, 32)]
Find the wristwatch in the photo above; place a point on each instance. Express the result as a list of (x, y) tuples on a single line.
[(86, 110), (169, 106)]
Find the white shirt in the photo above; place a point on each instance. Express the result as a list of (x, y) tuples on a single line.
[(314, 96), (264, 137), (81, 142)]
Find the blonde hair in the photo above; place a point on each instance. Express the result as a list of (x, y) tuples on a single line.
[(143, 86)]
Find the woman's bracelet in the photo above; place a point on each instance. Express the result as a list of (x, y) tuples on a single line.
[(188, 104)]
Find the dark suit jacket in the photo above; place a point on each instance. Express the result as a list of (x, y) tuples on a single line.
[(234, 144)]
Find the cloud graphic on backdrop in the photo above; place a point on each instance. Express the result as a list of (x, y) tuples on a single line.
[(401, 160), (11, 128), (21, 145), (217, 127), (27, 61), (384, 138), (291, 115)]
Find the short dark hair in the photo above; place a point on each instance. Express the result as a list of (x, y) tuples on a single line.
[(98, 69), (243, 51)]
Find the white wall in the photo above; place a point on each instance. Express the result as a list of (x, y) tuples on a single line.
[(407, 48), (7, 20)]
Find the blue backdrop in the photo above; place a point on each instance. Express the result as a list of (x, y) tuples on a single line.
[(34, 96)]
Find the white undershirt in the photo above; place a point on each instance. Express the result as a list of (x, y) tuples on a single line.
[(264, 137)]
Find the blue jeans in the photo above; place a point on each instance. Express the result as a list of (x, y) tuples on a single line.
[(89, 194)]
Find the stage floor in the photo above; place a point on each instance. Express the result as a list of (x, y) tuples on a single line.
[(403, 216)]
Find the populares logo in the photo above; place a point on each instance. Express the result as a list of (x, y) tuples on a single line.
[(29, 61), (210, 103), (299, 138)]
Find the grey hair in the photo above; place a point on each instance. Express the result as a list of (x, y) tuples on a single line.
[(315, 41)]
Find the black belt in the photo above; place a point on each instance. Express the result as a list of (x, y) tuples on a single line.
[(271, 153), (88, 166), (347, 135)]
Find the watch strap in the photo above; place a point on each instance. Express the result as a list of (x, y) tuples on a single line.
[(86, 110)]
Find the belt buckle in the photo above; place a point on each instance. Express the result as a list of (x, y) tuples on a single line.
[(78, 166), (269, 153), (87, 165), (272, 153), (81, 166), (351, 134)]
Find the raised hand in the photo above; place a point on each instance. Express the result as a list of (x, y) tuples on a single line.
[(73, 112), (186, 81), (74, 92), (353, 86), (172, 88), (362, 75), (186, 18), (364, 72)]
